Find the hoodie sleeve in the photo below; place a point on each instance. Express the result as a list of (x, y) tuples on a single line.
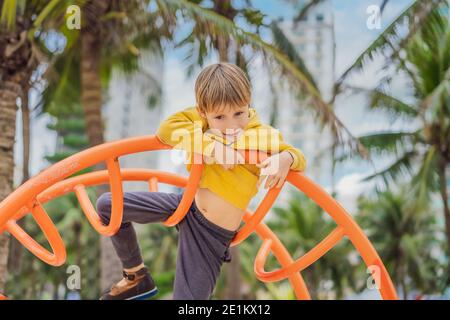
[(299, 163), (184, 130), (268, 139)]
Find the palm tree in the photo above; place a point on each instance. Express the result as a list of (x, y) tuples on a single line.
[(406, 237), (228, 51), (145, 26), (107, 40), (210, 25), (15, 248), (206, 22), (426, 63), (306, 6), (231, 48), (17, 62)]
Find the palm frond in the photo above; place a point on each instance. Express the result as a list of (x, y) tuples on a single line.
[(434, 100), (63, 88), (427, 53), (45, 12), (390, 142), (286, 46), (8, 13), (216, 25), (386, 143), (380, 100), (401, 167), (383, 5), (415, 15), (426, 181)]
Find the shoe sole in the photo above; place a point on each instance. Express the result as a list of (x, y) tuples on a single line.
[(145, 295)]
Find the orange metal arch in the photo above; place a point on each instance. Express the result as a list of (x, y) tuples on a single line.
[(52, 183)]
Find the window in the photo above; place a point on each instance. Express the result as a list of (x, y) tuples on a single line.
[(320, 17), (319, 34), (318, 63), (319, 46), (300, 32)]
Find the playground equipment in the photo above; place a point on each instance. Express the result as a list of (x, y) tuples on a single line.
[(52, 183)]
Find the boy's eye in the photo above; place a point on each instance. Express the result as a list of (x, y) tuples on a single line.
[(236, 114)]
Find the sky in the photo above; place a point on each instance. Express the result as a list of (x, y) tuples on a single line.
[(352, 37)]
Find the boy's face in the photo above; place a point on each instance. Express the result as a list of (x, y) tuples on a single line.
[(227, 122)]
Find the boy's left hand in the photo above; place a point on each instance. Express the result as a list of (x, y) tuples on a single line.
[(276, 169)]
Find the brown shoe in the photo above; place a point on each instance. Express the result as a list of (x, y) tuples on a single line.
[(139, 286)]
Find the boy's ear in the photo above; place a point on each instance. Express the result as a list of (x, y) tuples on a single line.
[(200, 112)]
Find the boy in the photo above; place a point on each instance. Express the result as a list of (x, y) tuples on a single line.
[(223, 123)]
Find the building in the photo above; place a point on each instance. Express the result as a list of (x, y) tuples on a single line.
[(132, 109), (313, 37)]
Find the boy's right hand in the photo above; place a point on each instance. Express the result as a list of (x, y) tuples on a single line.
[(225, 156)]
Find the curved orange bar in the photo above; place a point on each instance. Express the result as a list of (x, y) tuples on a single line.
[(346, 226), (50, 184), (27, 192), (264, 206), (189, 193), (58, 257), (100, 177), (109, 152), (116, 205), (300, 264)]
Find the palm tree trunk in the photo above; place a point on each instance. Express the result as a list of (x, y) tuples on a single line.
[(16, 249), (91, 91), (91, 99), (233, 289), (9, 91)]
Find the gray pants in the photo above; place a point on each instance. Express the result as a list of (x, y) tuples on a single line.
[(202, 245)]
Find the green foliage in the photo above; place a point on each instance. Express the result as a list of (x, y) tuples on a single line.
[(406, 237), (75, 141), (391, 38), (426, 62), (300, 227), (211, 26), (82, 241), (63, 126)]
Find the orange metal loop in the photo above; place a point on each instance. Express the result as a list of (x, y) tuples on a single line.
[(257, 216), (58, 257), (300, 264), (189, 193), (115, 180), (254, 156), (51, 183)]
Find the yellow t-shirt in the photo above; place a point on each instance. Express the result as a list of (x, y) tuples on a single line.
[(187, 130)]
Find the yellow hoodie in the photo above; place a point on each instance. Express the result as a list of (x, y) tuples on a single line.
[(237, 185)]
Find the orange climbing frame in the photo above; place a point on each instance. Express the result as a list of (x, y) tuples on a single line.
[(53, 182)]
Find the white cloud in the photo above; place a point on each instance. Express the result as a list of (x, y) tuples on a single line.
[(349, 188)]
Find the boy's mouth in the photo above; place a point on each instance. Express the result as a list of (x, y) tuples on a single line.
[(233, 134)]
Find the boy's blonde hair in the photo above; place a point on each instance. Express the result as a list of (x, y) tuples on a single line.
[(222, 84)]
